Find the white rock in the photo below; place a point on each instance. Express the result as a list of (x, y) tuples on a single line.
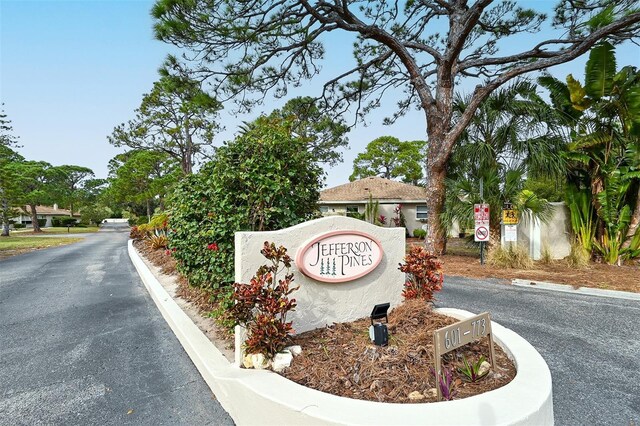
[(295, 350), (484, 368), (259, 361), (281, 361), (246, 361), (416, 396), (431, 393)]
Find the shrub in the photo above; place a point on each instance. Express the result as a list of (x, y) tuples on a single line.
[(19, 225), (419, 233), (424, 274), (263, 180), (159, 223), (546, 257), (157, 242), (514, 256), (132, 221), (136, 234), (42, 222), (578, 257), (262, 305), (67, 221)]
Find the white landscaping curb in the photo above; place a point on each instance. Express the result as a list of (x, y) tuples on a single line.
[(263, 397), (588, 291)]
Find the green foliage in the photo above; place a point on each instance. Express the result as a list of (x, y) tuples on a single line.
[(69, 183), (68, 221), (371, 210), (94, 214), (602, 145), (176, 118), (545, 188), (321, 132), (262, 305), (420, 233), (142, 178), (582, 216), (424, 274), (263, 180), (578, 257), (503, 145), (19, 225), (514, 256), (471, 371), (389, 158)]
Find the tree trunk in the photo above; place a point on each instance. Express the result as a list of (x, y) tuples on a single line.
[(635, 221), (5, 218), (435, 240), (34, 218), (149, 210)]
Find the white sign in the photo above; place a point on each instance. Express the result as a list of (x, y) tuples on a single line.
[(511, 233), (482, 231), (481, 212), (339, 256)]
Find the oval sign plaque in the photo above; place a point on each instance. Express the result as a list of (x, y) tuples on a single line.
[(339, 256)]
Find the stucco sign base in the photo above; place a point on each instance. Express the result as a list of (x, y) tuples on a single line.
[(263, 397)]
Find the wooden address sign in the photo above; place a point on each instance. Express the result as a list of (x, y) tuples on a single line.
[(459, 334), (339, 256)]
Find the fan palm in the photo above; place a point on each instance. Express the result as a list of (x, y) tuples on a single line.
[(504, 144)]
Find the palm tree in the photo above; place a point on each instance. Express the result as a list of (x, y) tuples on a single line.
[(504, 144)]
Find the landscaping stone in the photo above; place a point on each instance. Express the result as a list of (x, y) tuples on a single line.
[(416, 396), (484, 368), (281, 361), (259, 361), (295, 349)]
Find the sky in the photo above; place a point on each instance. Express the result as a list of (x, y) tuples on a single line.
[(70, 71)]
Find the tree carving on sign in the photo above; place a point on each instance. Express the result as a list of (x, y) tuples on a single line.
[(419, 48)]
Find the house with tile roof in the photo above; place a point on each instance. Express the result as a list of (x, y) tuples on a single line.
[(44, 212), (352, 198)]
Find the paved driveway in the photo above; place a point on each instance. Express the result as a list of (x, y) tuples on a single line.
[(81, 342), (591, 344)]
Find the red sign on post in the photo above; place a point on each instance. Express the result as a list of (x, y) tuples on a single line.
[(481, 212)]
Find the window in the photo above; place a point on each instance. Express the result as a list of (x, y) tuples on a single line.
[(421, 212), (324, 209), (352, 210)]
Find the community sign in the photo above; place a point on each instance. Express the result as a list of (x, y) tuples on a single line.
[(339, 256)]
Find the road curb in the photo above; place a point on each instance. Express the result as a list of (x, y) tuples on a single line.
[(587, 291), (263, 397)]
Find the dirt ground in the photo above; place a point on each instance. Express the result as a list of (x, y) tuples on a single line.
[(465, 262)]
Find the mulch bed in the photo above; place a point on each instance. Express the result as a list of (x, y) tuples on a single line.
[(341, 360)]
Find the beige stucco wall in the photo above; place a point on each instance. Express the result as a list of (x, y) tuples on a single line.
[(387, 210)]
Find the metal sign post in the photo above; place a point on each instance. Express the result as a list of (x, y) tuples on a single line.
[(481, 215)]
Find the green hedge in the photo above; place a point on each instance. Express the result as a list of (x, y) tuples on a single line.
[(263, 180)]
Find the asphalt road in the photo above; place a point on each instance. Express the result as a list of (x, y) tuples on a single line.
[(81, 342), (591, 344)]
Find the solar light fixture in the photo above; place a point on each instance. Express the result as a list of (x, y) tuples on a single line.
[(378, 332)]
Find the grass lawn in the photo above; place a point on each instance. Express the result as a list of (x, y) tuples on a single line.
[(11, 246), (58, 230)]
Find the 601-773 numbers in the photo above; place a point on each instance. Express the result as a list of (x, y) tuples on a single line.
[(453, 338)]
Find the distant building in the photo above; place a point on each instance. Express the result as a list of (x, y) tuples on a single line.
[(353, 197), (43, 212)]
